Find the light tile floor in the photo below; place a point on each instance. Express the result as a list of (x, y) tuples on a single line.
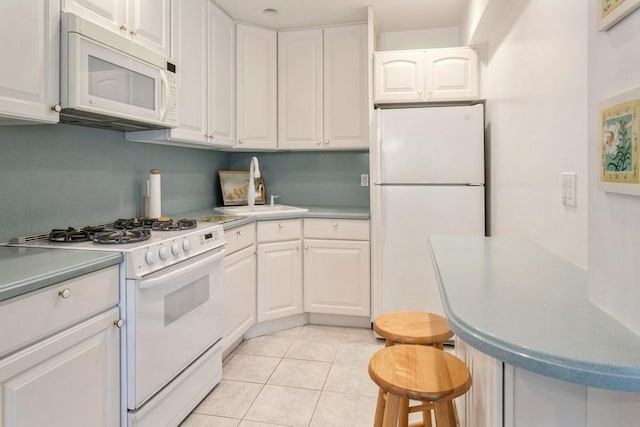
[(310, 376)]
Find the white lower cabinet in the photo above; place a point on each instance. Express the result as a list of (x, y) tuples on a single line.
[(337, 267), (239, 285), (68, 380), (279, 269), (482, 404)]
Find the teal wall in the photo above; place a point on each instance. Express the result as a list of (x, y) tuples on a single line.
[(311, 178), (62, 175)]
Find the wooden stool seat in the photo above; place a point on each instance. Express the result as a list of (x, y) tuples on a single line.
[(416, 372), (412, 327)]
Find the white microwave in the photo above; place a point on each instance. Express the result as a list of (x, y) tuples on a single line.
[(110, 82)]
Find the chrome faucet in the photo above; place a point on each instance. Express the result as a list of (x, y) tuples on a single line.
[(254, 172)]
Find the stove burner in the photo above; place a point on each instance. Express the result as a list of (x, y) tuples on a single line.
[(132, 223), (69, 235), (181, 224), (122, 236)]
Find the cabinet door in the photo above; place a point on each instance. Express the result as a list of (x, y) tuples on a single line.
[(336, 277), (346, 109), (222, 78), (110, 14), (256, 88), (451, 74), (239, 295), (300, 90), (279, 280), (191, 53), (29, 95), (149, 24), (68, 380), (398, 76)]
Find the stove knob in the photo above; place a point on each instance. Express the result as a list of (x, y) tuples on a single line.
[(186, 245), (164, 253), (150, 257), (176, 249)]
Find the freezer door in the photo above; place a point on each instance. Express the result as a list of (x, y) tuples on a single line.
[(406, 217), (433, 145)]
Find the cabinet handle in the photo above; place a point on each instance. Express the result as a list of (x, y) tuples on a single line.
[(326, 142), (56, 108), (241, 141), (133, 32), (306, 246), (298, 247), (319, 142), (281, 225), (123, 27), (239, 233), (65, 293), (335, 224), (118, 323)]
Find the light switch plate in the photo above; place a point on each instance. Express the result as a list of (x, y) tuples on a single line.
[(364, 180), (569, 189)]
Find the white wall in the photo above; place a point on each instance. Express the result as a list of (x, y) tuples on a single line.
[(614, 219), (536, 76), (420, 39)]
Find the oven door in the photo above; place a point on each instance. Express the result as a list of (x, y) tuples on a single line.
[(173, 316)]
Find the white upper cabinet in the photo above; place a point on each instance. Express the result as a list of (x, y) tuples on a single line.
[(346, 113), (300, 87), (147, 22), (204, 47), (222, 78), (433, 75), (30, 76), (322, 89), (256, 88)]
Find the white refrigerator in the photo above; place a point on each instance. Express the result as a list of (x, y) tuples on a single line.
[(427, 171)]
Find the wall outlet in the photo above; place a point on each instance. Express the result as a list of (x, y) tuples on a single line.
[(364, 180), (569, 189)]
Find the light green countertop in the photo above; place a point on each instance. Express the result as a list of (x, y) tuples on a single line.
[(24, 270), (521, 304)]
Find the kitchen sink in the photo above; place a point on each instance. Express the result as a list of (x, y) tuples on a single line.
[(258, 210)]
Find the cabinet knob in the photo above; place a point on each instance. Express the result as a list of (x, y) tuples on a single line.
[(56, 108), (298, 247), (306, 246), (241, 141), (281, 225), (133, 32), (239, 233), (326, 142), (319, 142), (335, 224), (118, 323), (65, 293), (123, 27)]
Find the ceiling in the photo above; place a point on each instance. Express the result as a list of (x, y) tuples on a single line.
[(391, 15)]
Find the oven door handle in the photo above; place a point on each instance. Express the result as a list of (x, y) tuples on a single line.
[(165, 277)]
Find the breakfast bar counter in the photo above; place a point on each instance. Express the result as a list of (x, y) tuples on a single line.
[(525, 306)]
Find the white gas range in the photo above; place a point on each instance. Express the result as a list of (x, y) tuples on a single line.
[(171, 300)]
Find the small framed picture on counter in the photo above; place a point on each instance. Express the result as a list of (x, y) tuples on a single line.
[(619, 129), (235, 185)]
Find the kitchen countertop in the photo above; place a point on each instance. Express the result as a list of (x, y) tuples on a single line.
[(521, 304), (24, 270), (337, 212)]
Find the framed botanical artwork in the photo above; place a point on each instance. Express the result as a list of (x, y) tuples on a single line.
[(619, 130), (613, 11), (235, 185)]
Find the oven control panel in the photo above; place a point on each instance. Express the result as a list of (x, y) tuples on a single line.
[(166, 252)]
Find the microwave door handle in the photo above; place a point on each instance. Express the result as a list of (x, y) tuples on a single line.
[(164, 94), (167, 277)]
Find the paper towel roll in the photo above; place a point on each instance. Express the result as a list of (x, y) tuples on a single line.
[(155, 198)]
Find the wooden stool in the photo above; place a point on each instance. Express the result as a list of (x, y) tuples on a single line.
[(412, 327), (417, 372)]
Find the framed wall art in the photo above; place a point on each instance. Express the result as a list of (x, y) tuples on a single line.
[(614, 11), (619, 130), (235, 185)]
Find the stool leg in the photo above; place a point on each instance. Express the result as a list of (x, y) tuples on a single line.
[(388, 342), (426, 417), (403, 412), (439, 345), (452, 411), (377, 421), (391, 411), (443, 416)]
